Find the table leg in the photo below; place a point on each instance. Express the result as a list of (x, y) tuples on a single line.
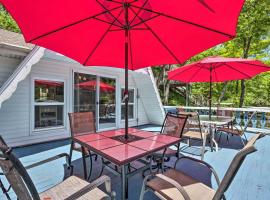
[(213, 141), (124, 182), (211, 137), (84, 163)]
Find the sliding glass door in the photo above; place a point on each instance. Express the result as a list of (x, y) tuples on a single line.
[(107, 103), (84, 92), (96, 94)]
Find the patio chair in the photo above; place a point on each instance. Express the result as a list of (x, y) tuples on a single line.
[(70, 189), (2, 186), (194, 130), (82, 123), (177, 185), (173, 125), (233, 130)]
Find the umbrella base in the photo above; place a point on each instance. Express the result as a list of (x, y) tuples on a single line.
[(131, 138)]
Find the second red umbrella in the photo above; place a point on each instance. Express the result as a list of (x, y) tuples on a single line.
[(218, 69)]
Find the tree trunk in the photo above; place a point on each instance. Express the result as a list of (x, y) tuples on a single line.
[(246, 48), (223, 92), (241, 102)]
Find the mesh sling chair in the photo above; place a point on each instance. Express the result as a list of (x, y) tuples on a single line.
[(177, 185), (194, 131), (70, 189), (2, 186), (233, 130), (82, 123), (173, 125)]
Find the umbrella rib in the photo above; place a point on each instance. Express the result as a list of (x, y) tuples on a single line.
[(72, 24), (106, 22), (214, 69), (255, 65), (190, 80), (142, 21), (237, 70), (136, 15), (161, 42), (188, 68), (187, 22), (101, 39), (109, 12)]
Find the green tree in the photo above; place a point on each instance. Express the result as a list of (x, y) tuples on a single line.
[(7, 22)]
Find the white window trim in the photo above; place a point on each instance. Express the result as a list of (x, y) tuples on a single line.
[(33, 104), (134, 104)]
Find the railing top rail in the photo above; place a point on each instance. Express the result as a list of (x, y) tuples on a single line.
[(250, 109)]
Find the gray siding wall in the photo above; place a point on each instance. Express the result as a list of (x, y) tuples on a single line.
[(16, 114)]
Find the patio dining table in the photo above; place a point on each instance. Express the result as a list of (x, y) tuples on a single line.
[(109, 146), (213, 123)]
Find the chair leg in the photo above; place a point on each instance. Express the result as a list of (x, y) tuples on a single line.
[(203, 148), (70, 152), (102, 169), (91, 165), (84, 163), (220, 135), (242, 141), (245, 136)]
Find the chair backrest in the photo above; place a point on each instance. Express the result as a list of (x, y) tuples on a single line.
[(249, 120), (224, 113), (16, 174), (174, 125), (234, 166), (82, 123), (193, 122)]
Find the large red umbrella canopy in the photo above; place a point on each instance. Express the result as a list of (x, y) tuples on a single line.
[(219, 68), (91, 85), (92, 32)]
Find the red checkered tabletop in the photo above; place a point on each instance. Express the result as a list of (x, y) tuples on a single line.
[(90, 137), (121, 153), (111, 133), (164, 138), (103, 144), (143, 134), (147, 145)]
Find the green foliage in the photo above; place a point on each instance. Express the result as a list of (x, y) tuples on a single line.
[(253, 41), (7, 22)]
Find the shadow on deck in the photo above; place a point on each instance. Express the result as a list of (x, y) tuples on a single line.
[(251, 182)]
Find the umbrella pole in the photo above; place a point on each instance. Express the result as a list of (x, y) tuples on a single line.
[(126, 70), (210, 98)]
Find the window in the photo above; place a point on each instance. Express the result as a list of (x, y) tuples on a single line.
[(131, 104), (48, 104)]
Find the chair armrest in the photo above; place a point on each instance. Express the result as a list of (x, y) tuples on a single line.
[(49, 160), (202, 163), (96, 183), (175, 184)]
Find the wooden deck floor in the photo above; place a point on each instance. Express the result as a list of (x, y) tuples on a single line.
[(252, 181)]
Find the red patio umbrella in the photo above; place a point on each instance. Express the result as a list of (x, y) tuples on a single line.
[(128, 34), (91, 85), (218, 69), (49, 83)]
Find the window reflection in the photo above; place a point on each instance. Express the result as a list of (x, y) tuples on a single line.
[(107, 102), (84, 93), (48, 104)]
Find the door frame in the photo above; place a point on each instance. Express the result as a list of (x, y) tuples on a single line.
[(117, 100)]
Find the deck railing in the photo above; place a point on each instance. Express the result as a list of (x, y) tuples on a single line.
[(260, 121)]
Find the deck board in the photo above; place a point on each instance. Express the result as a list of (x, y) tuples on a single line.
[(251, 182)]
